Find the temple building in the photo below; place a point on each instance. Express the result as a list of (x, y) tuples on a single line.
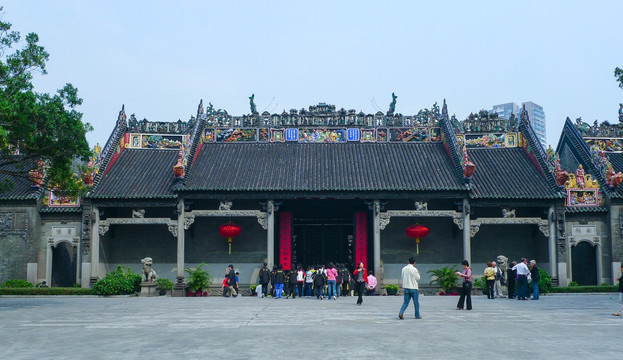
[(320, 185)]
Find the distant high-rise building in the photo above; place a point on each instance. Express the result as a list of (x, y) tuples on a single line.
[(537, 120), (505, 110), (535, 114)]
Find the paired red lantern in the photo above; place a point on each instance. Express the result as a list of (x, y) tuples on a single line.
[(417, 232), (229, 230)]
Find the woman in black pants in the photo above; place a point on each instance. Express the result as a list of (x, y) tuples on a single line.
[(467, 286), (361, 279)]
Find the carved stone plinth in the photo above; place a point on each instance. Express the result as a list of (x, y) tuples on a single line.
[(179, 289), (149, 289)]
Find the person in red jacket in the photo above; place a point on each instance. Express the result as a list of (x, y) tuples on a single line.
[(360, 277)]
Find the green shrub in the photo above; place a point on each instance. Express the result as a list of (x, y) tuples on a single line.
[(45, 291), (392, 287), (574, 283), (164, 284), (445, 277), (122, 281), (585, 289), (545, 282), (481, 283), (17, 284)]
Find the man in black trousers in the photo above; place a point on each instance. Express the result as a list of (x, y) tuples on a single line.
[(264, 278)]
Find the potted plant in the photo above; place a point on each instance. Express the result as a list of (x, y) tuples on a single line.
[(198, 280), (446, 278), (252, 288), (391, 289), (163, 284)]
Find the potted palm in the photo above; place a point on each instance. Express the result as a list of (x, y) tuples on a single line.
[(198, 280), (446, 278)]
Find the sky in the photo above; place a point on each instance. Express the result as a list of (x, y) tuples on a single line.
[(160, 58)]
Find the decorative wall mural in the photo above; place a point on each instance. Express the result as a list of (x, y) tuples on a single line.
[(277, 135), (381, 135), (58, 199), (235, 135), (208, 135), (367, 135), (161, 141), (263, 135), (322, 135), (609, 145), (419, 134), (487, 140)]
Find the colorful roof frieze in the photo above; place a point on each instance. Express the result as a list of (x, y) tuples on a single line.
[(583, 190)]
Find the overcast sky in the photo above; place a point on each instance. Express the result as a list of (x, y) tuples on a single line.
[(159, 58)]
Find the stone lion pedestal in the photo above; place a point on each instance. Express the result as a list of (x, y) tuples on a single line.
[(149, 289)]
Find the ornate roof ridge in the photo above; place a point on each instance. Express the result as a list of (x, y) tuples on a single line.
[(537, 151), (574, 135), (107, 152), (450, 142)]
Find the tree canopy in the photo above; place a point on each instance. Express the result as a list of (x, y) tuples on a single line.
[(618, 74), (37, 126)]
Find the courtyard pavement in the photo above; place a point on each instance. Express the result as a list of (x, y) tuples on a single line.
[(555, 327)]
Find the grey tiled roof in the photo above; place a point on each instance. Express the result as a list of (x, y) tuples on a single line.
[(22, 186), (322, 167), (507, 173), (139, 173)]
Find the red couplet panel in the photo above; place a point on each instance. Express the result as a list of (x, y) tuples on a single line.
[(285, 239), (361, 238)]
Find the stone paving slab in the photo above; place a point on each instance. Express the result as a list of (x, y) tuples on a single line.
[(555, 327)]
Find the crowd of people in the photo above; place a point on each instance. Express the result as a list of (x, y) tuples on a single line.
[(336, 280), (322, 282)]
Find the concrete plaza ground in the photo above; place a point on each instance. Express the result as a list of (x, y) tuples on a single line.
[(555, 327)]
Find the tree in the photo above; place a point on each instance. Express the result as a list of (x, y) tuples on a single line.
[(618, 74), (37, 126)]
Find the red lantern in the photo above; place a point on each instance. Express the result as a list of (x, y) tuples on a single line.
[(417, 232), (229, 231)]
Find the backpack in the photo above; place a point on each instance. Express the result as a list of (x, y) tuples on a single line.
[(319, 279)]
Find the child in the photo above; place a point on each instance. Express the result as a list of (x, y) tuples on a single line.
[(224, 287), (237, 282)]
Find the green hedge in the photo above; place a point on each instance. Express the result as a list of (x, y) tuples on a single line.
[(17, 284), (45, 291), (585, 289)]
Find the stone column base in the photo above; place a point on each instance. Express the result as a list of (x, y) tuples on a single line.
[(179, 289), (149, 289)]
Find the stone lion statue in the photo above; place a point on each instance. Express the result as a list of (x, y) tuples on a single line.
[(502, 262), (149, 275)]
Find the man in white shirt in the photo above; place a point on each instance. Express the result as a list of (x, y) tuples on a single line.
[(522, 279), (409, 277)]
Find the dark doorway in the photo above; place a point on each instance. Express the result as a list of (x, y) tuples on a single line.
[(321, 229), (583, 264), (64, 265), (322, 243)]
